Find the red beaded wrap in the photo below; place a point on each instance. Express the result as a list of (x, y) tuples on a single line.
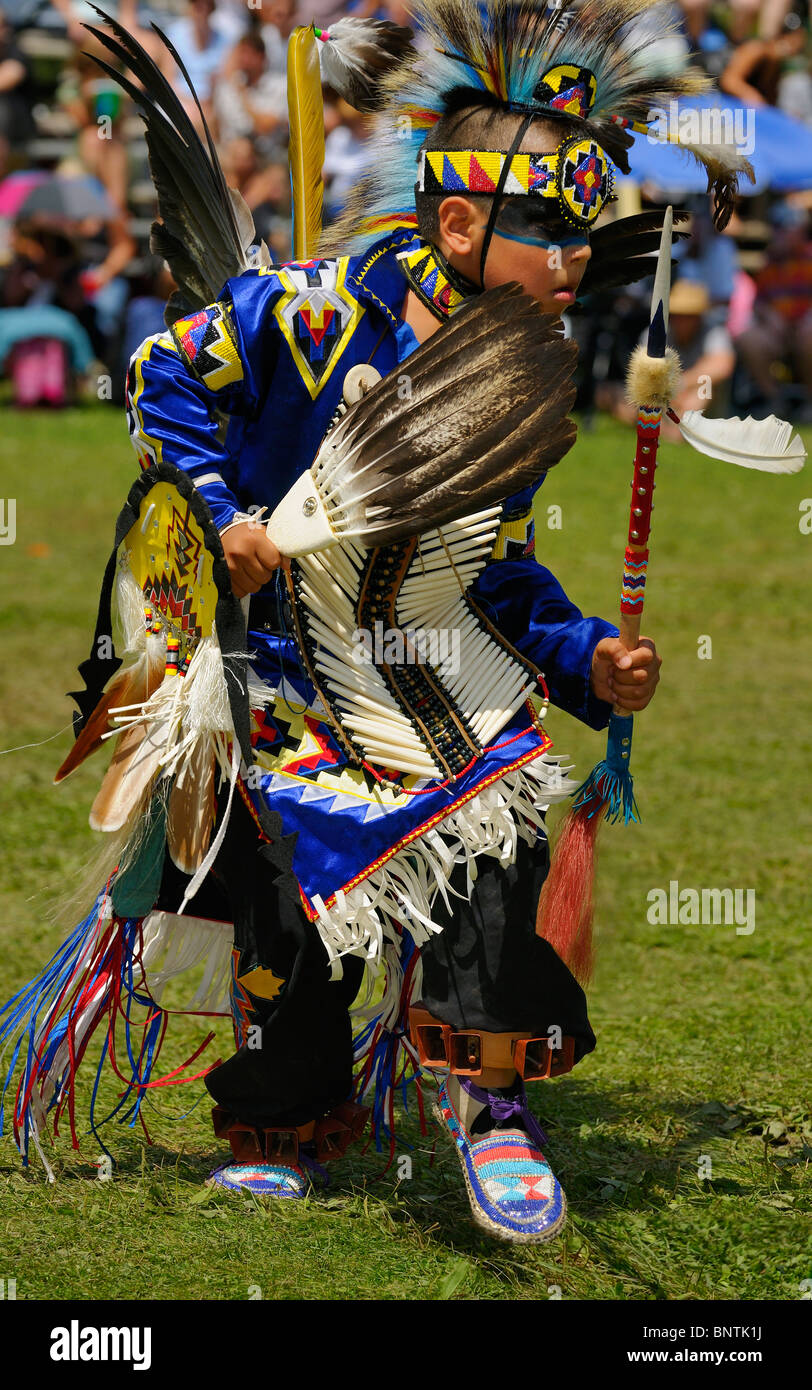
[(645, 464)]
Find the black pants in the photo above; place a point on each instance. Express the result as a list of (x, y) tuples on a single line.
[(487, 969)]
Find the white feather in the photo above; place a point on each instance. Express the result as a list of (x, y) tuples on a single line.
[(356, 54), (130, 607), (725, 153), (768, 445)]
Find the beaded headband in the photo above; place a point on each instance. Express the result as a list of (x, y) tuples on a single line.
[(578, 175)]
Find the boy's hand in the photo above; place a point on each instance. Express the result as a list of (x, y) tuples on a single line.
[(251, 557), (625, 679)]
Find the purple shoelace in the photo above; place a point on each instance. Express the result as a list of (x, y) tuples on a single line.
[(307, 1159), (505, 1108)]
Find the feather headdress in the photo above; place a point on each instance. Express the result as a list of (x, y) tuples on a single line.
[(586, 68)]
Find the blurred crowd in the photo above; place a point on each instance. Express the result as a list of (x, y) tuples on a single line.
[(79, 289)]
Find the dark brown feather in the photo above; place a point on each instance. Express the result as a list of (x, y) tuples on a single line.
[(624, 251), (130, 687), (203, 238), (490, 394)]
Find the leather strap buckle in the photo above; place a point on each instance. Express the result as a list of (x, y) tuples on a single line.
[(331, 1136), (471, 1051)]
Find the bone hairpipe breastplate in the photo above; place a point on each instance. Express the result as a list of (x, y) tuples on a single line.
[(413, 677)]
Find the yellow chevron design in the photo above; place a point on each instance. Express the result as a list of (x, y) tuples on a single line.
[(518, 529), (153, 444)]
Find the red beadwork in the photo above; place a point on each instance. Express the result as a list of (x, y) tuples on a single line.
[(645, 464)]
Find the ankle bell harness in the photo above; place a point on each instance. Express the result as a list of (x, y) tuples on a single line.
[(320, 1140), (469, 1052)]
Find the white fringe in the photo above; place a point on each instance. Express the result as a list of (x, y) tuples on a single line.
[(172, 944), (130, 605), (366, 921), (402, 892)]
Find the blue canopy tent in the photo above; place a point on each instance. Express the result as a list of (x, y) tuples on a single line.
[(778, 147)]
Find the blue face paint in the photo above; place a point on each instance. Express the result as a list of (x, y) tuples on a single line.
[(545, 242), (521, 220)]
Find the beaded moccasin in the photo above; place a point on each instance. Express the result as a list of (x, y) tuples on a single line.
[(261, 1179), (513, 1192)]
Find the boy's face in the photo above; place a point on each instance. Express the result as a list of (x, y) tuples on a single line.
[(531, 243), (546, 255)]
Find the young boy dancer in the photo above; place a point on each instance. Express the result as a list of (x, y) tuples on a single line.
[(492, 158)]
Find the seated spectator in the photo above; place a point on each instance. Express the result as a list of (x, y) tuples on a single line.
[(203, 49), (240, 163), (46, 325), (43, 350), (144, 315), (653, 31), (95, 103), (234, 18), (76, 13), (16, 124), (754, 71), (76, 266), (744, 14), (252, 101), (106, 250), (705, 350), (266, 190), (323, 13), (279, 19), (779, 335), (706, 356), (343, 155), (708, 257)]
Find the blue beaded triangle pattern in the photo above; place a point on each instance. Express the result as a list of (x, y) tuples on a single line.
[(261, 1179), (512, 1189)]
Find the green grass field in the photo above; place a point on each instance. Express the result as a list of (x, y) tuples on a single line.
[(683, 1141)]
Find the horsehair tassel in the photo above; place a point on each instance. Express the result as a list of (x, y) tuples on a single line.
[(358, 53), (565, 906)]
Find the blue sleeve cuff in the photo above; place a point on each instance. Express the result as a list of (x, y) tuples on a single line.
[(221, 501)]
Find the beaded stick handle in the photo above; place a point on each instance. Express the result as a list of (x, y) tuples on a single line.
[(644, 377), (653, 372), (635, 560)]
